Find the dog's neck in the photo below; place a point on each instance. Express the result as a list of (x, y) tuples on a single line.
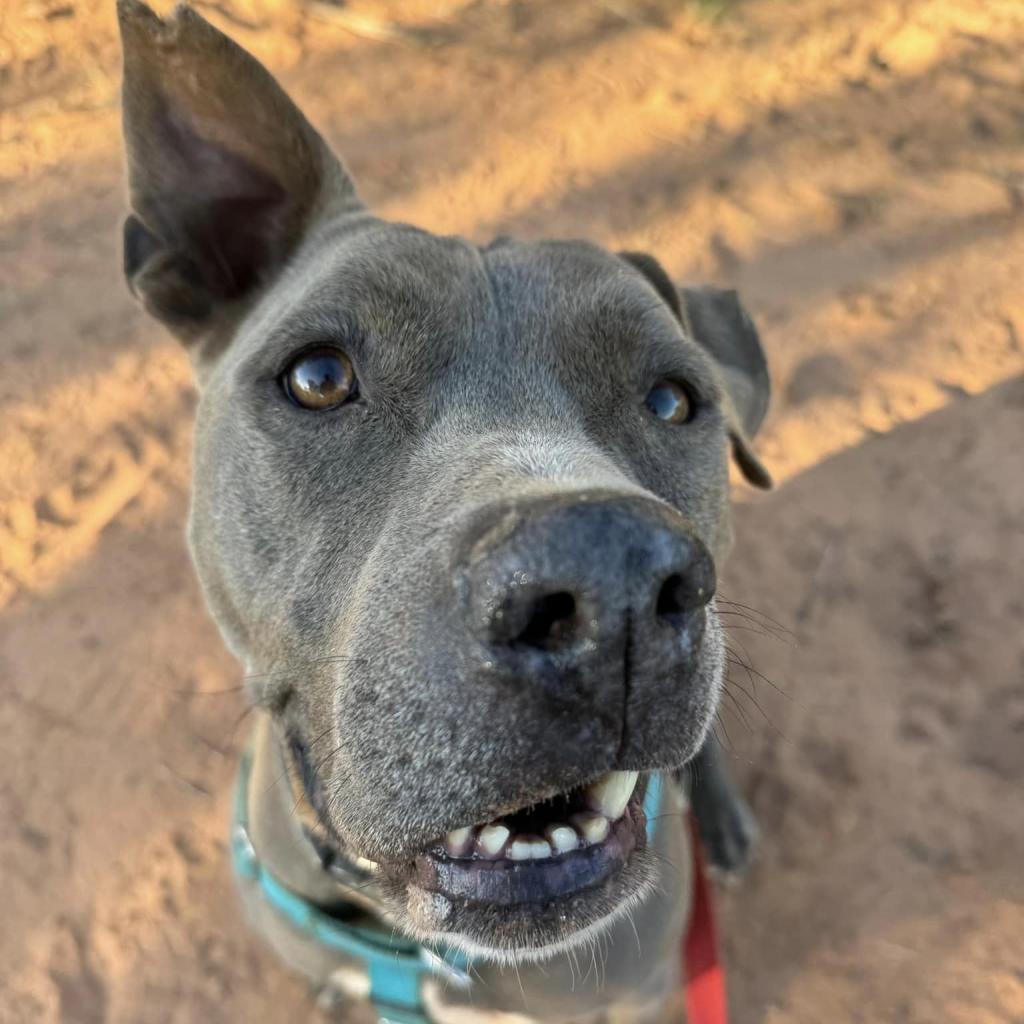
[(631, 965)]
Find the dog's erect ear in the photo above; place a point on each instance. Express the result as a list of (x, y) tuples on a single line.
[(224, 171), (715, 319)]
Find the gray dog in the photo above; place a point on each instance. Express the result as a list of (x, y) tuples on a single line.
[(458, 512)]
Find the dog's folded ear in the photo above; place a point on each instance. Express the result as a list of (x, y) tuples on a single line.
[(716, 320), (721, 325), (224, 171)]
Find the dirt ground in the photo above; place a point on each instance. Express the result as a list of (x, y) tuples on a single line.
[(857, 171)]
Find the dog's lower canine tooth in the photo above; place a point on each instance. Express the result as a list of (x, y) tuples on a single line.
[(610, 795), (593, 827), (562, 838), (492, 839), (458, 841)]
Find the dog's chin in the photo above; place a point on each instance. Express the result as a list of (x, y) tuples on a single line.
[(513, 902)]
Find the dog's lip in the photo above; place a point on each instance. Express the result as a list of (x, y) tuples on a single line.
[(494, 865), (509, 883)]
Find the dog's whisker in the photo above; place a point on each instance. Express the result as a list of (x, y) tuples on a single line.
[(665, 860), (752, 625), (718, 722), (738, 709), (364, 887), (319, 737), (739, 643), (732, 629), (664, 817), (519, 979), (473, 970), (728, 748), (276, 781), (752, 671), (630, 917), (201, 693), (732, 683), (327, 757), (284, 773), (259, 677), (757, 613), (579, 970), (593, 962)]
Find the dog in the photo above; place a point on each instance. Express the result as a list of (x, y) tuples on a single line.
[(458, 511)]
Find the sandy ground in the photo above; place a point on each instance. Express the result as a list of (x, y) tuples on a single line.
[(857, 170)]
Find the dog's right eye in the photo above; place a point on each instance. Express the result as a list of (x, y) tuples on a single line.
[(321, 379)]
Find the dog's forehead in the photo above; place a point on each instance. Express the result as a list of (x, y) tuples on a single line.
[(393, 270), (511, 331), (569, 273)]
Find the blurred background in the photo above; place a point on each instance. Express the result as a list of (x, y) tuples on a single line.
[(856, 170)]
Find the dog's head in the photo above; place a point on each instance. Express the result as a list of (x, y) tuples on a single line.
[(456, 509)]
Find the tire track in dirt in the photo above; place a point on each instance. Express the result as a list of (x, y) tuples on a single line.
[(93, 463), (41, 538)]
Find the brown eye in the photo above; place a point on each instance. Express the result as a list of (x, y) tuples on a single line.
[(321, 379), (669, 402)]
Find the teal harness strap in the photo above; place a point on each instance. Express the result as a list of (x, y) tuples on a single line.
[(652, 803), (394, 965)]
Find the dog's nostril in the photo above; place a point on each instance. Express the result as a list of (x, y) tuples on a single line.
[(552, 622), (675, 599)]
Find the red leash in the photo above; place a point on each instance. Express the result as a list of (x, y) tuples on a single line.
[(702, 968)]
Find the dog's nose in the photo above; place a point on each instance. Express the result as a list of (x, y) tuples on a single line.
[(577, 579)]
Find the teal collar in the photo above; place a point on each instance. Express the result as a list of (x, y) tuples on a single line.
[(394, 965)]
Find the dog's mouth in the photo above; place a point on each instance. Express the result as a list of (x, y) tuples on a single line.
[(547, 852), (522, 885)]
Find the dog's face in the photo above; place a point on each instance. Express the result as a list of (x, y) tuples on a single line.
[(457, 510)]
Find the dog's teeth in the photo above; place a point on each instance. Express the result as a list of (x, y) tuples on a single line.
[(593, 827), (521, 849), (562, 838), (610, 795), (458, 841), (541, 849), (492, 839), (528, 848)]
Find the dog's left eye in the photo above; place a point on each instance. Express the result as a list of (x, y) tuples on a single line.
[(320, 379), (669, 402)]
